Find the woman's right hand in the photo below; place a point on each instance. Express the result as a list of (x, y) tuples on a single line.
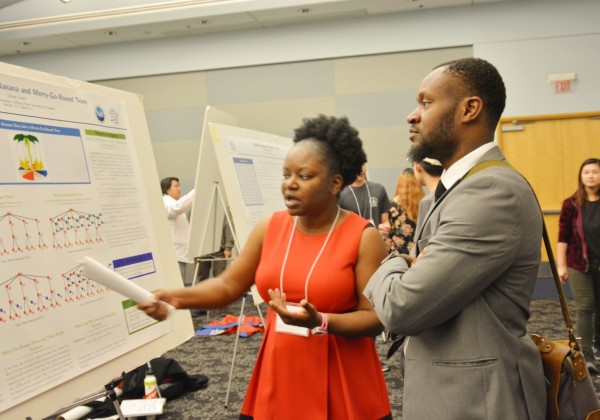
[(158, 308), (563, 273)]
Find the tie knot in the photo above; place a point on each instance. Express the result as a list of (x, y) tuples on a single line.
[(439, 190)]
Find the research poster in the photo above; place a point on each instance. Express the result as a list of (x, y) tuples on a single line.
[(253, 161), (70, 186)]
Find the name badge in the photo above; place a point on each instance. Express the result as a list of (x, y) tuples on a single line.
[(282, 327)]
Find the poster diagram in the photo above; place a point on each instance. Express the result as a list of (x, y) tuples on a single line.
[(19, 233), (25, 294), (31, 164), (41, 153), (71, 228), (74, 227)]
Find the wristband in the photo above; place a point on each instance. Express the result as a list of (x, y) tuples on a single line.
[(321, 329)]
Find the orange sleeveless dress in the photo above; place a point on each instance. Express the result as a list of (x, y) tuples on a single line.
[(314, 377)]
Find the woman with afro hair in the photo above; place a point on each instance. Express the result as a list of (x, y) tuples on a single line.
[(311, 262)]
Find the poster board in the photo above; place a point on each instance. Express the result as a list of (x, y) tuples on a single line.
[(206, 218), (251, 167), (77, 177)]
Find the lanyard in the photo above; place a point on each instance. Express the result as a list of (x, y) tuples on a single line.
[(369, 203), (287, 252)]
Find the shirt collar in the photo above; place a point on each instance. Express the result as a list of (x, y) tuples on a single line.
[(464, 164)]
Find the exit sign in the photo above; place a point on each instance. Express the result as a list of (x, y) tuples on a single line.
[(562, 86), (562, 82)]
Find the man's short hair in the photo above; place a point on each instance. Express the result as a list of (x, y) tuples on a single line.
[(480, 78)]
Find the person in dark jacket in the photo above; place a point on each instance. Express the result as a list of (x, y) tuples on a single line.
[(578, 254)]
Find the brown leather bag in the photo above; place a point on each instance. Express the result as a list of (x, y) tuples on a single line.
[(570, 390)]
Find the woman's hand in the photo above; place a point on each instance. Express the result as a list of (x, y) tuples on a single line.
[(563, 273), (303, 314), (157, 308)]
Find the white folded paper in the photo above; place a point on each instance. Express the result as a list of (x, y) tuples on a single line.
[(138, 408), (97, 272)]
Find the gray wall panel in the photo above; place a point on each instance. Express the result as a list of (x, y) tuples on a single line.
[(267, 83), (175, 123), (376, 109)]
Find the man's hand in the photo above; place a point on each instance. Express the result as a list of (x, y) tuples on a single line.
[(384, 229)]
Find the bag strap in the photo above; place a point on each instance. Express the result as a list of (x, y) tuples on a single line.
[(561, 294)]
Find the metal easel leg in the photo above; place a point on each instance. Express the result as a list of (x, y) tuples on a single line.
[(237, 337), (198, 261), (196, 271), (108, 392)]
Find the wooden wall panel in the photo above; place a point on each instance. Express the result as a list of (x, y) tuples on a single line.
[(548, 150)]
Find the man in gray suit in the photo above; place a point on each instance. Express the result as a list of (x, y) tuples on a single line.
[(464, 303)]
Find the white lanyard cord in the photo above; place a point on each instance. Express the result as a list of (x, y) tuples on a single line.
[(369, 203), (287, 252)]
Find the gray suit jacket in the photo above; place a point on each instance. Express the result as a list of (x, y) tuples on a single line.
[(465, 303)]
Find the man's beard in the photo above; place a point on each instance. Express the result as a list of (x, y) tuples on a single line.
[(439, 144)]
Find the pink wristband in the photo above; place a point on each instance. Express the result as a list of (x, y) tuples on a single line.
[(322, 329)]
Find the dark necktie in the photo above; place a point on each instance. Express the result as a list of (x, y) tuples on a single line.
[(439, 190)]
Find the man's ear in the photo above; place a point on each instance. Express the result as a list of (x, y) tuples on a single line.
[(417, 168), (472, 107), (337, 184)]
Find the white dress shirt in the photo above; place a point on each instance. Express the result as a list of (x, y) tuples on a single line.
[(464, 165), (178, 223)]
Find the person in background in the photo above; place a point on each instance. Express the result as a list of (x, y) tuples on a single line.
[(578, 254), (403, 213), (428, 172), (177, 207), (317, 360), (464, 303), (366, 198), (370, 201)]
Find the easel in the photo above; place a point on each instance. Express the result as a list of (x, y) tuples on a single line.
[(109, 392), (216, 191)]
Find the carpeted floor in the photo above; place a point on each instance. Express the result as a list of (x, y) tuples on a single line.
[(212, 356)]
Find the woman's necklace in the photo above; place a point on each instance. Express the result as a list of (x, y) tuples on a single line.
[(287, 252)]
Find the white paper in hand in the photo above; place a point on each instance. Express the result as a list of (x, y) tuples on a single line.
[(97, 272)]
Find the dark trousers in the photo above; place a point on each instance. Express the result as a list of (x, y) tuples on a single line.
[(217, 265)]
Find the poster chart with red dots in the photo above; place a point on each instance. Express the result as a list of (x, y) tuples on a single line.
[(71, 185)]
